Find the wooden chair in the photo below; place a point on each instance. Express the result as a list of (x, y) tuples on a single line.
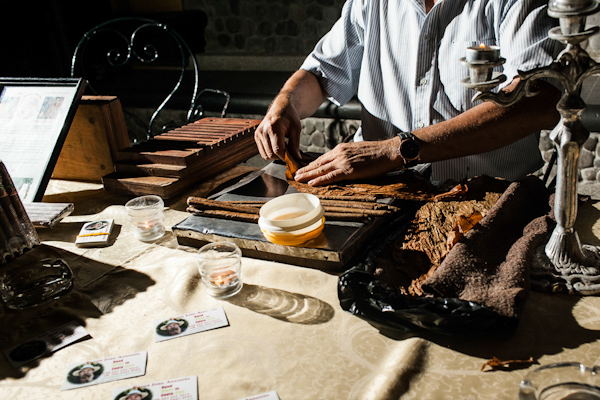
[(146, 64)]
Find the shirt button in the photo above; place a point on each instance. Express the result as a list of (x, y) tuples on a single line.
[(423, 82), (420, 125), (428, 37)]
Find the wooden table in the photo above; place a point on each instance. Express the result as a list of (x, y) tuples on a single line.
[(286, 333)]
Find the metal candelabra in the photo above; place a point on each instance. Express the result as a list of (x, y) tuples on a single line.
[(563, 264)]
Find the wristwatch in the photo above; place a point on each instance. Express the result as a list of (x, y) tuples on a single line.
[(409, 149)]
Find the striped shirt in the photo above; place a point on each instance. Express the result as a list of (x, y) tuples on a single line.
[(403, 65)]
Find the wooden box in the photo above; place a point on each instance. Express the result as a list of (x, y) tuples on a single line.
[(97, 133)]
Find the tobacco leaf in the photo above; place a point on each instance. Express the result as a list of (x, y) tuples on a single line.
[(406, 186), (291, 167), (462, 225), (496, 364), (293, 164)]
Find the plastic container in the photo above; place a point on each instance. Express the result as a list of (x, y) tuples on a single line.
[(292, 219)]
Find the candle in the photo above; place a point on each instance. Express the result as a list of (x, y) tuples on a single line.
[(146, 214), (483, 53), (221, 268), (223, 278), (149, 225)]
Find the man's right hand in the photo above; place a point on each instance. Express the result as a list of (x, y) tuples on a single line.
[(299, 98), (281, 121)]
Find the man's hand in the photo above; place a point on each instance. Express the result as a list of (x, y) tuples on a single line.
[(281, 121), (299, 98), (347, 161)]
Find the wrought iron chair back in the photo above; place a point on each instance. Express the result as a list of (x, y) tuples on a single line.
[(112, 53)]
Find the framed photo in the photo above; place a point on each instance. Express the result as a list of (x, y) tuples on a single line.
[(35, 117)]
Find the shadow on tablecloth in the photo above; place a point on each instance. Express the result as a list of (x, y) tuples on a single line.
[(98, 289), (282, 305)]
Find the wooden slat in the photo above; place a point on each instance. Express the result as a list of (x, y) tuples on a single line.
[(169, 150), (169, 187)]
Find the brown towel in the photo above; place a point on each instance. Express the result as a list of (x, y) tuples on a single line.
[(490, 265)]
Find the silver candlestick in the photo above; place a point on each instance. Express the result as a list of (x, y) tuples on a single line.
[(563, 264)]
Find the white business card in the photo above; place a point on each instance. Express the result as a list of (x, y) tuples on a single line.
[(94, 372), (188, 324), (265, 396), (172, 389)]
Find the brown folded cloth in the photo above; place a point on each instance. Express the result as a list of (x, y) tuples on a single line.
[(490, 266)]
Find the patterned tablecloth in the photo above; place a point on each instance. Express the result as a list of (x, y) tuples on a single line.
[(286, 333)]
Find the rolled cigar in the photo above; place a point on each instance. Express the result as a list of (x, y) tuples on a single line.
[(14, 242), (205, 204), (334, 203), (6, 223), (250, 203), (249, 217), (348, 217), (199, 203), (4, 245), (348, 204), (30, 237), (14, 211), (348, 198), (225, 206), (224, 214), (359, 204), (349, 210)]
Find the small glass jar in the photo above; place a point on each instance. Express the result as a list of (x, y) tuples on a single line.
[(220, 265), (561, 381), (146, 214)]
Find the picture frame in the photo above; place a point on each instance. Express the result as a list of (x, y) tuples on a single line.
[(35, 117)]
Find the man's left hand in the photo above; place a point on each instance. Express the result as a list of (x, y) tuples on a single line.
[(350, 161)]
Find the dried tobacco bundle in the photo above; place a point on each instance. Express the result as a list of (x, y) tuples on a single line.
[(415, 256)]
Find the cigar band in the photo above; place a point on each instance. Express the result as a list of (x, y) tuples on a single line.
[(93, 234)]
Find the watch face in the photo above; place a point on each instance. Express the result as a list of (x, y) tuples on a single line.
[(409, 149)]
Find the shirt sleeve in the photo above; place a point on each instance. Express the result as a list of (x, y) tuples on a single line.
[(523, 33), (337, 57)]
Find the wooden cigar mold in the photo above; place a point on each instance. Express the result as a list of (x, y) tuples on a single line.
[(172, 161)]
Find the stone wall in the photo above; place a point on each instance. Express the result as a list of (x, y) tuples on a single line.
[(322, 134), (265, 27)]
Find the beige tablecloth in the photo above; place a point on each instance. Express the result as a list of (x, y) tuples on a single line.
[(287, 332)]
